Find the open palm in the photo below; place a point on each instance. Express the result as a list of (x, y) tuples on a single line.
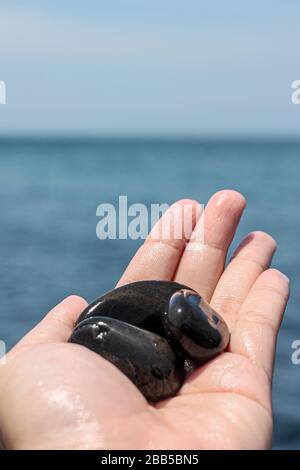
[(54, 394)]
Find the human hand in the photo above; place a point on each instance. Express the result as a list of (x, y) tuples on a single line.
[(54, 394)]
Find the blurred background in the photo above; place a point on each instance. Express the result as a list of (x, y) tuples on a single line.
[(152, 99)]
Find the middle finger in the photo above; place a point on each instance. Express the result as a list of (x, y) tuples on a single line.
[(202, 263)]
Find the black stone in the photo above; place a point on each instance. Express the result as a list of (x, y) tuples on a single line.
[(194, 327), (140, 303), (154, 332), (144, 357)]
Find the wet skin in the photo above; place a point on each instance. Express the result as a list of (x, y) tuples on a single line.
[(151, 330)]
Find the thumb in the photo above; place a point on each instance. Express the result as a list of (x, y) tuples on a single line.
[(57, 325)]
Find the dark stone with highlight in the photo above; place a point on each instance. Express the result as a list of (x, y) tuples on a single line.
[(154, 332), (144, 357)]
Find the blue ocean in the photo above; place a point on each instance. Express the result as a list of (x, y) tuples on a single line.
[(49, 192)]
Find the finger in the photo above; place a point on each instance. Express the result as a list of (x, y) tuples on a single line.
[(250, 259), (158, 257), (57, 325), (256, 328), (202, 262)]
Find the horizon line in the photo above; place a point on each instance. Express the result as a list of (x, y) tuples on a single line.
[(123, 137)]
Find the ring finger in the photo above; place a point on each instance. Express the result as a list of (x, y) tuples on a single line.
[(203, 260), (251, 258)]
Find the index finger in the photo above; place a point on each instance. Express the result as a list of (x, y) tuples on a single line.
[(158, 257)]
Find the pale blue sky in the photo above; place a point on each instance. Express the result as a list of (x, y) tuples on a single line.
[(149, 66)]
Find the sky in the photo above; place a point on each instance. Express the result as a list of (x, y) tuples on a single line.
[(139, 67)]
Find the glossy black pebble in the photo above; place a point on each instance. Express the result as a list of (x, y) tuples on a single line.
[(144, 357), (194, 327), (149, 329), (139, 303)]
